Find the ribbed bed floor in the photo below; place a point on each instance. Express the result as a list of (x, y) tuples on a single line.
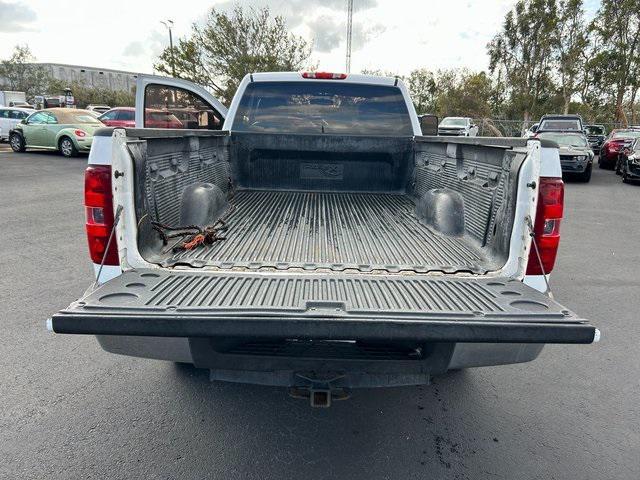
[(314, 230)]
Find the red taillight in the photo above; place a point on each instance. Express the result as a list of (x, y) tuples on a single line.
[(80, 133), (547, 226), (614, 146), (324, 75), (98, 203)]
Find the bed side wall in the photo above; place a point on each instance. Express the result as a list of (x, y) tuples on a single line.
[(474, 184), (167, 167)]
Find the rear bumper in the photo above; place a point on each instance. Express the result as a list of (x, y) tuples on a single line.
[(84, 145), (178, 349), (269, 369), (607, 158)]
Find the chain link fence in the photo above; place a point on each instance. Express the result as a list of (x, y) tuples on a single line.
[(492, 127)]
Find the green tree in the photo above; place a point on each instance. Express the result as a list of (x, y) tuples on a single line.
[(474, 94), (21, 74), (423, 88), (634, 87), (617, 29), (85, 95), (522, 53), (570, 42), (461, 92), (227, 46)]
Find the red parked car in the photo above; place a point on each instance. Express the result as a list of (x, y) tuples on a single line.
[(119, 117), (616, 141), (126, 117)]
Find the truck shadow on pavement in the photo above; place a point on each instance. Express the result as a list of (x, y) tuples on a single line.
[(396, 432)]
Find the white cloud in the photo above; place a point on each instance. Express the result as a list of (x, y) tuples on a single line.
[(135, 49), (16, 17), (329, 33), (387, 35)]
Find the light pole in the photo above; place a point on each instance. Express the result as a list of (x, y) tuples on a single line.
[(169, 24), (349, 32)]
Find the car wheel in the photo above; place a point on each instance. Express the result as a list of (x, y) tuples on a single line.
[(17, 143), (586, 175), (604, 164), (625, 175), (67, 148)]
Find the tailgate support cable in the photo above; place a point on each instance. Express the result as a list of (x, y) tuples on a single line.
[(116, 218), (534, 243)]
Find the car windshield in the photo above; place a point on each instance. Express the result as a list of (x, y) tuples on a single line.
[(627, 134), (453, 122), (323, 107), (594, 130), (560, 125), (565, 140)]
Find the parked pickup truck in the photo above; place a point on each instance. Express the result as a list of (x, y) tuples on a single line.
[(318, 241), (458, 127)]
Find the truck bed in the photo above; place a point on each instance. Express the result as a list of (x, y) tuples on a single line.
[(327, 203), (338, 231)]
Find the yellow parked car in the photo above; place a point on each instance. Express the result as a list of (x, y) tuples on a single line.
[(67, 130)]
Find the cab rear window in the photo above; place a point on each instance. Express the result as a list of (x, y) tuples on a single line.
[(560, 125), (329, 107), (592, 130)]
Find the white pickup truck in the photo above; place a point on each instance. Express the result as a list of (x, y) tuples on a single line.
[(311, 237), (458, 127)]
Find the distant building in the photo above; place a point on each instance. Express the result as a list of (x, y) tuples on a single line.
[(115, 80)]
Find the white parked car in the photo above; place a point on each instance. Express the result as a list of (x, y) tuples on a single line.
[(9, 118), (458, 127)]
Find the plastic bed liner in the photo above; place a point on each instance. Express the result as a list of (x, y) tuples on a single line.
[(334, 306), (312, 230)]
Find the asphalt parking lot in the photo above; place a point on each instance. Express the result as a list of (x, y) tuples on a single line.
[(70, 410)]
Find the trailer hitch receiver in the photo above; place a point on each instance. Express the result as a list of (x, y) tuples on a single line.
[(320, 389)]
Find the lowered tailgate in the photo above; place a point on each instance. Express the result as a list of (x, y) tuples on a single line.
[(334, 306)]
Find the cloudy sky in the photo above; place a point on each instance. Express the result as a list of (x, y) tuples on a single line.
[(392, 35)]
